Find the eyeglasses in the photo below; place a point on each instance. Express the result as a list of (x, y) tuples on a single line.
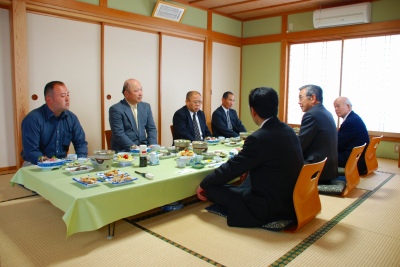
[(301, 97)]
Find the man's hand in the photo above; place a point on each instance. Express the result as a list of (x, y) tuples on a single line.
[(200, 193)]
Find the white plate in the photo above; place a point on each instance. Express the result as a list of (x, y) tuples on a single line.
[(72, 164), (49, 168), (78, 170), (102, 174), (168, 156), (121, 183), (78, 180), (230, 144)]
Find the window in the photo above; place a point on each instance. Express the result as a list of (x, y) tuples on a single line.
[(366, 70)]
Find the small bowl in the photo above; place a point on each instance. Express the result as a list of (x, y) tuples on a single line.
[(244, 135), (124, 162), (82, 160), (198, 165), (208, 155), (181, 144), (171, 149)]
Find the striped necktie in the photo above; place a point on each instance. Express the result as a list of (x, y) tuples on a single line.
[(228, 119), (196, 128)]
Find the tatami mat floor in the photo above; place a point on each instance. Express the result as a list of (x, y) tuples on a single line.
[(359, 230)]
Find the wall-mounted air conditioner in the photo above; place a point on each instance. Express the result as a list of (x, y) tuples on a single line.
[(343, 15)]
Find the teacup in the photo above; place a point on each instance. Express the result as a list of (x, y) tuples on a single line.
[(154, 158), (198, 158), (221, 138), (181, 163), (155, 147), (72, 157)]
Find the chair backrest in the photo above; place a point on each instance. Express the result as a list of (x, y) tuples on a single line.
[(209, 127), (108, 134), (351, 170), (305, 195), (370, 154), (172, 131)]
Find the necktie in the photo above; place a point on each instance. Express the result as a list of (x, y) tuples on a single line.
[(228, 119), (135, 115), (196, 128)]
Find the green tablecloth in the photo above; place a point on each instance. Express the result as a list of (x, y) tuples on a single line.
[(89, 208)]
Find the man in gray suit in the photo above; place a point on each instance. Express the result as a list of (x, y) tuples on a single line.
[(318, 135), (131, 120)]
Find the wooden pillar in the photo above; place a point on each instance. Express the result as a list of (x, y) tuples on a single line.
[(19, 70)]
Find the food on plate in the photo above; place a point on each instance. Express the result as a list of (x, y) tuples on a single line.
[(88, 180), (46, 159), (186, 153), (121, 178), (111, 173), (211, 138)]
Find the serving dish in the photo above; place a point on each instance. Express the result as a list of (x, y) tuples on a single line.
[(116, 183), (82, 180), (51, 163), (80, 169)]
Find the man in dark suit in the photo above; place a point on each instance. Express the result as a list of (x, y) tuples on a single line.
[(225, 121), (272, 156), (318, 135), (352, 133), (186, 118), (131, 120)]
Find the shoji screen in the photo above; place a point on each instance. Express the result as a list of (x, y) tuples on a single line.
[(68, 51), (130, 54), (7, 140), (225, 74), (181, 71)]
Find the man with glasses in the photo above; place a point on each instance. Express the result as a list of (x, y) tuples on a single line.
[(318, 135), (49, 130), (189, 121)]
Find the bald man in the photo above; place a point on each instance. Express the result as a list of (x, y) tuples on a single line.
[(351, 133)]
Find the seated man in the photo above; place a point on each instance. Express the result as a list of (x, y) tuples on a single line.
[(49, 130), (352, 133), (131, 120), (189, 121), (318, 135), (225, 121), (272, 156)]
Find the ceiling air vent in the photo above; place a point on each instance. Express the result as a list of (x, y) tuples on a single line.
[(168, 11)]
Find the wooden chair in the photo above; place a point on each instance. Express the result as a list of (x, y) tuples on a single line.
[(172, 131), (108, 134), (209, 127), (370, 155), (351, 171), (305, 195), (305, 199), (343, 187)]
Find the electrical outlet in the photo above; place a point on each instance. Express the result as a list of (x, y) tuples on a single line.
[(396, 148), (290, 26)]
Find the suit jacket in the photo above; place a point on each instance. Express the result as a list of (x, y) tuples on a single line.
[(273, 157), (183, 124), (219, 123), (123, 126), (318, 139), (352, 133)]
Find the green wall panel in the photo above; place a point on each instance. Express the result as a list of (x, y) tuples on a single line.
[(194, 17), (141, 7), (262, 27), (301, 21), (93, 2), (385, 10), (226, 25), (260, 67)]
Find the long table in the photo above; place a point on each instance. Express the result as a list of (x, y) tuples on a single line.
[(90, 208)]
